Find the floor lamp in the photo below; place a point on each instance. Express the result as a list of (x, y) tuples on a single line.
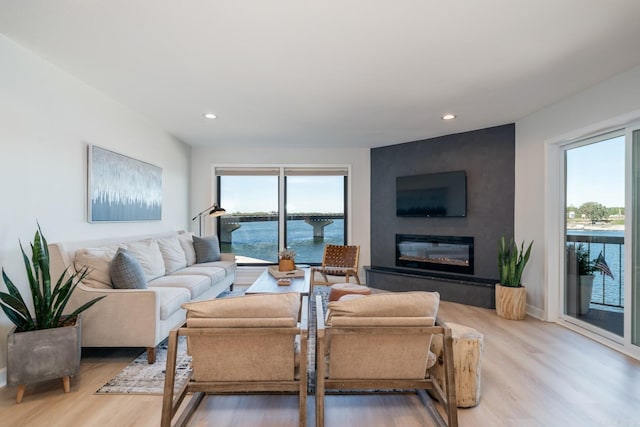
[(214, 211)]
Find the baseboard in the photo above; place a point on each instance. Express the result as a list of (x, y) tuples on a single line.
[(535, 312)]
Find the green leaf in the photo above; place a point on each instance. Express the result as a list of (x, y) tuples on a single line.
[(48, 303)]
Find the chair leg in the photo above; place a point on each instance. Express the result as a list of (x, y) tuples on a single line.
[(452, 403), (169, 380), (20, 394), (319, 404), (151, 355)]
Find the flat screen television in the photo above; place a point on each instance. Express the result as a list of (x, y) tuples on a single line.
[(432, 195)]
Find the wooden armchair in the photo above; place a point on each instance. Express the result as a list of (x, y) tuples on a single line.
[(337, 260), (382, 342), (240, 344)]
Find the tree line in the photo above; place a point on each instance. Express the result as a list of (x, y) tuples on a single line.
[(594, 211)]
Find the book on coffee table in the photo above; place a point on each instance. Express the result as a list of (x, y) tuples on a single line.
[(284, 282), (273, 270)]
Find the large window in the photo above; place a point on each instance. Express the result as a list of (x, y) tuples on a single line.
[(271, 208)]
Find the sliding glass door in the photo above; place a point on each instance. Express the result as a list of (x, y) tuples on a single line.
[(594, 287)]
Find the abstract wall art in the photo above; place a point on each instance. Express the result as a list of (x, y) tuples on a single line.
[(121, 188)]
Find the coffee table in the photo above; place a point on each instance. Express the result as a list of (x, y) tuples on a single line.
[(267, 284)]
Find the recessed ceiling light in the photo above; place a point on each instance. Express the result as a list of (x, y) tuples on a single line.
[(448, 117), (209, 116)]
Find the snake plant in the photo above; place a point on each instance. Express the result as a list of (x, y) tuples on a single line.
[(48, 303), (511, 262)]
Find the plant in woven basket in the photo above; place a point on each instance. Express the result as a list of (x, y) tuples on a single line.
[(511, 262), (48, 302)]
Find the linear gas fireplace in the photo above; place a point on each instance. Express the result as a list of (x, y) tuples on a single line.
[(442, 253)]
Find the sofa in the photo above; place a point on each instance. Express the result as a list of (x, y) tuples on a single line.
[(176, 268)]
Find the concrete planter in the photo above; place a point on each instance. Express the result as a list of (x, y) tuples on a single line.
[(42, 355), (511, 303), (586, 287)]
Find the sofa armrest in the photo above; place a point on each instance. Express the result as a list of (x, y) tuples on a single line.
[(126, 317)]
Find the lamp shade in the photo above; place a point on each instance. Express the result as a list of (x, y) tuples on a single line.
[(214, 211), (217, 211)]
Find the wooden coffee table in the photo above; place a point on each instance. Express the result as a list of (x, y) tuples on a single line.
[(267, 284)]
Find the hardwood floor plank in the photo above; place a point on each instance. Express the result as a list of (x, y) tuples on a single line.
[(533, 374)]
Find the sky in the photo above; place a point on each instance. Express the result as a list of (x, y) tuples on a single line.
[(595, 173), (304, 194)]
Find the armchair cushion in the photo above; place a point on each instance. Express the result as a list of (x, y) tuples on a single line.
[(391, 304), (247, 306), (207, 249)]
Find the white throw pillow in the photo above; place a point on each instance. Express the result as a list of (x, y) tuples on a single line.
[(98, 261), (172, 254), (186, 241), (148, 254)]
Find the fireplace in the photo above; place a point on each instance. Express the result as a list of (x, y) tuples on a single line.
[(441, 253)]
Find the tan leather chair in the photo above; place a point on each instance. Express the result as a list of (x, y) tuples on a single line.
[(337, 260), (382, 342), (240, 344)]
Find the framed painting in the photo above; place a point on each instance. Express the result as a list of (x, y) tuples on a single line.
[(121, 188)]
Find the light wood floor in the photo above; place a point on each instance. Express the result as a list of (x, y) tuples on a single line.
[(533, 374)]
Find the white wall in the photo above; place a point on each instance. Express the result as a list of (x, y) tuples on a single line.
[(577, 114), (203, 188), (47, 118)]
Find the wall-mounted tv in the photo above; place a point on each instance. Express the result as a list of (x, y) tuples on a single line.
[(432, 195)]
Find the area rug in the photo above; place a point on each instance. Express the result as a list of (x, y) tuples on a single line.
[(141, 378)]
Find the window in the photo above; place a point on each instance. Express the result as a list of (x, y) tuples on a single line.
[(271, 208)]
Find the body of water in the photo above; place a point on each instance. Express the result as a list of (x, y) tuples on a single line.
[(259, 240)]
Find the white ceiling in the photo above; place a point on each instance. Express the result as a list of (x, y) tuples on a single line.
[(330, 73)]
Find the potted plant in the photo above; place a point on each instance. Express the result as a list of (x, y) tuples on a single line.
[(586, 268), (46, 344), (286, 261), (511, 296)]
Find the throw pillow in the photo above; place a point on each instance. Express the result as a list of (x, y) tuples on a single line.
[(186, 241), (172, 254), (207, 249), (126, 271), (98, 261), (148, 254)]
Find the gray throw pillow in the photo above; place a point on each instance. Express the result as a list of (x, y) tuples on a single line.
[(207, 249), (126, 271)]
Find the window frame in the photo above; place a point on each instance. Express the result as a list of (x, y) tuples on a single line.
[(283, 171)]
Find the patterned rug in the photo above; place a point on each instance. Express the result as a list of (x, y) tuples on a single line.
[(141, 378)]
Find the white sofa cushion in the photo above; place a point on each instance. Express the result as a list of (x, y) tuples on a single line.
[(195, 284), (214, 273), (148, 254), (229, 266), (98, 261), (186, 241), (172, 254)]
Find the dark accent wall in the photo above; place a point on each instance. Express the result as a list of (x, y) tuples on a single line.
[(487, 155)]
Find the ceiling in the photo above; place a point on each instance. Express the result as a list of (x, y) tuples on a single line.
[(331, 73)]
